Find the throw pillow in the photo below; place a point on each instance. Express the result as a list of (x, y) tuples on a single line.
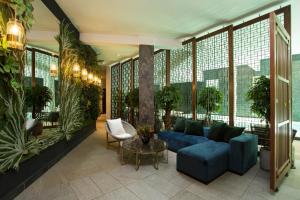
[(115, 126), (193, 127), (231, 132), (216, 132), (179, 124)]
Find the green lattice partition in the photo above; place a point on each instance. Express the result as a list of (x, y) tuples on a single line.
[(181, 77), (126, 80), (251, 60), (136, 73), (115, 76), (212, 71), (159, 70)]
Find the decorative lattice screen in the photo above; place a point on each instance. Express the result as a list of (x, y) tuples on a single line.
[(115, 76), (136, 73), (251, 60), (159, 70), (212, 71), (181, 77), (126, 78)]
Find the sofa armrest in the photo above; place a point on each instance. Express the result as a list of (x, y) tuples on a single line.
[(243, 153)]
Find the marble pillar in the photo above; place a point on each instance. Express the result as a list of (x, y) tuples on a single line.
[(146, 85)]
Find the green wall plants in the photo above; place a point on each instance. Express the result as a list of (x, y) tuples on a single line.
[(14, 143), (71, 114), (90, 101)]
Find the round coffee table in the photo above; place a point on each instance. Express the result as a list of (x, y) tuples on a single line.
[(136, 146)]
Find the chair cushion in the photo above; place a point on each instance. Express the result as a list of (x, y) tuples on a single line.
[(123, 136), (30, 123), (193, 127), (116, 127), (179, 124)]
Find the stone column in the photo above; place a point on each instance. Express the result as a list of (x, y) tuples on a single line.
[(146, 85)]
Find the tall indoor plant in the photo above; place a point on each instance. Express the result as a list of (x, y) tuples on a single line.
[(259, 94), (168, 99), (37, 98), (210, 99)]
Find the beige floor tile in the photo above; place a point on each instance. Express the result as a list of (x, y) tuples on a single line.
[(119, 194), (105, 182), (85, 189), (145, 192), (186, 195), (162, 185)]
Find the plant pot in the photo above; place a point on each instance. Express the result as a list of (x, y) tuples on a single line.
[(264, 159), (145, 139)]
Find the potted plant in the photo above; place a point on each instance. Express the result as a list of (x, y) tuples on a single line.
[(145, 133), (37, 98), (210, 99), (259, 95), (168, 99)]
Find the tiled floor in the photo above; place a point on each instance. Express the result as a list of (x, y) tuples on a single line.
[(92, 172)]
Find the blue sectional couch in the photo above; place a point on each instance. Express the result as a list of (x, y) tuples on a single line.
[(206, 159)]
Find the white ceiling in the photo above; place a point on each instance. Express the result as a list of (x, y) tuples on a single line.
[(116, 27), (46, 25)]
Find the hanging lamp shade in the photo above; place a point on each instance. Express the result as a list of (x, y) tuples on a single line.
[(53, 70), (84, 74), (15, 34), (95, 80), (91, 78), (76, 70)]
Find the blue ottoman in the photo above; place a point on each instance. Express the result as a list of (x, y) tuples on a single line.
[(204, 161), (243, 153)]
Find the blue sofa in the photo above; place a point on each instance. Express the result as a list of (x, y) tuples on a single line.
[(205, 159)]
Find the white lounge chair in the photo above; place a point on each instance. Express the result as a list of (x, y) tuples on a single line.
[(130, 132)]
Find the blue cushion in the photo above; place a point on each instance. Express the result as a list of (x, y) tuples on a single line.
[(178, 140), (206, 130), (204, 161)]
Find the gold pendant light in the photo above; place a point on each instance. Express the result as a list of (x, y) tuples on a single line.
[(53, 70), (76, 70), (15, 34), (84, 74)]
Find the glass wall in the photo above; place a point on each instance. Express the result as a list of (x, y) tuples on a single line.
[(43, 61), (251, 49), (212, 71), (181, 78)]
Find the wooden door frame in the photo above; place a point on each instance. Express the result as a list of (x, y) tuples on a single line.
[(277, 174)]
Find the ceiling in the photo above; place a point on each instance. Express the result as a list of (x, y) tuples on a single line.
[(116, 27), (45, 23)]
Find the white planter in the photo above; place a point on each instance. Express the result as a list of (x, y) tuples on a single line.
[(264, 159)]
